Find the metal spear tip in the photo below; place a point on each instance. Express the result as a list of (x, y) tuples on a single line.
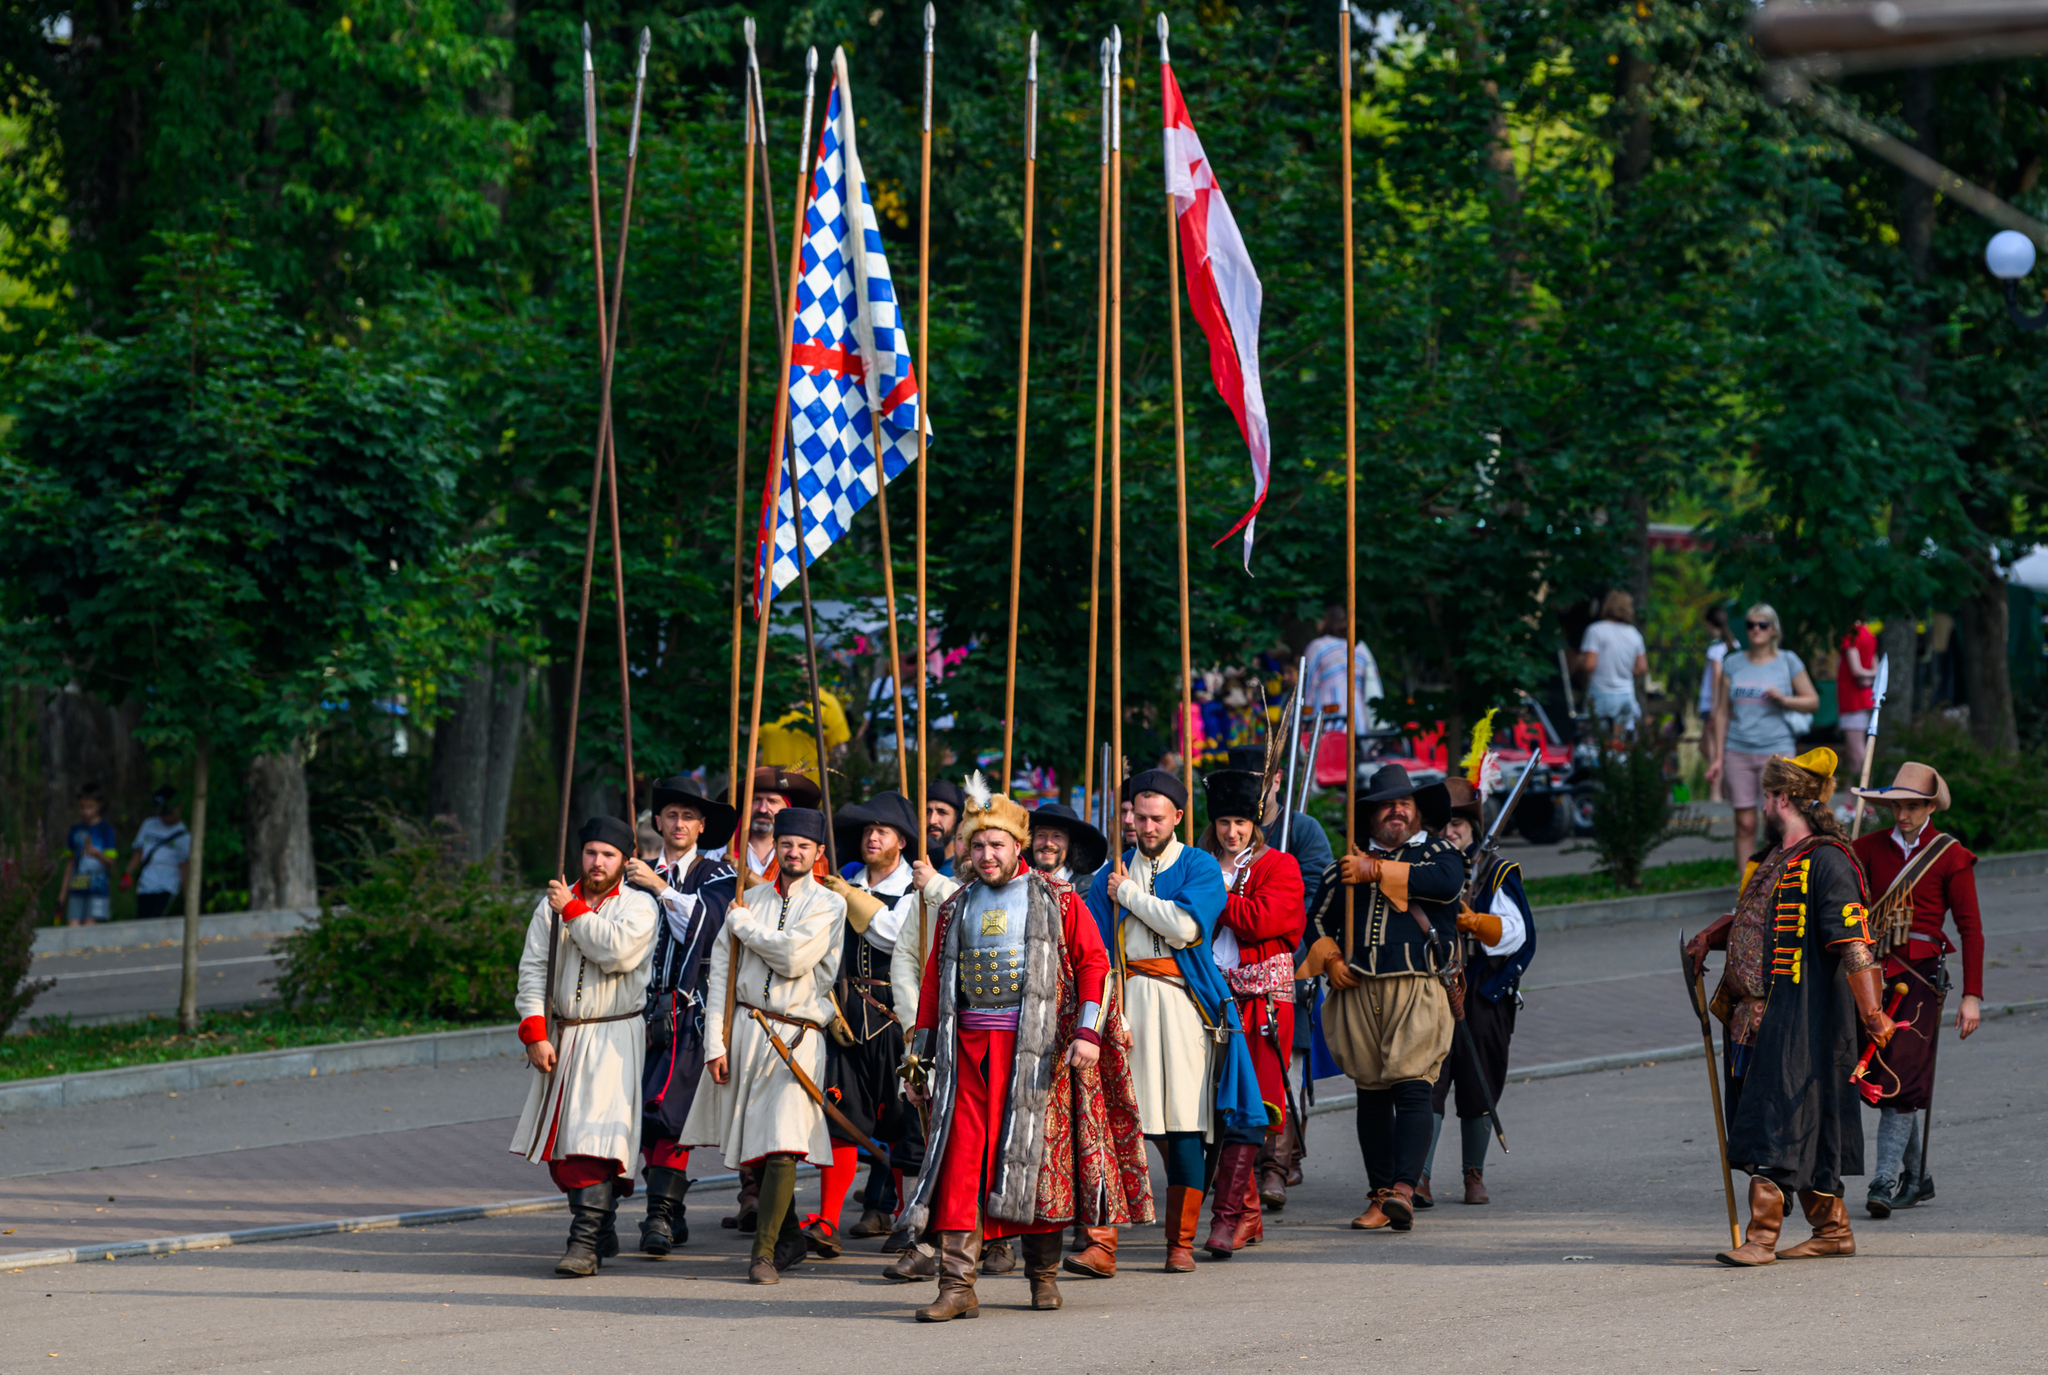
[(747, 27), (646, 42), (1162, 26), (931, 18), (1032, 74), (586, 40), (811, 62)]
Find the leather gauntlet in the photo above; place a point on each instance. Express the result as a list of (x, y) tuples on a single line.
[(861, 905), (1486, 926), (1867, 987)]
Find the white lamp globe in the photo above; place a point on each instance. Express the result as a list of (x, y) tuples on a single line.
[(2009, 255)]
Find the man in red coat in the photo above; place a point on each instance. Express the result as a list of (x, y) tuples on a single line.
[(1255, 943), (1918, 876), (1034, 1123)]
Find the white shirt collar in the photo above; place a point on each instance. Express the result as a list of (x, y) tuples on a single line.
[(680, 864), (898, 881), (1900, 839)]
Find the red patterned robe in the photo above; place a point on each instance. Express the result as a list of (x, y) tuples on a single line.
[(1266, 914)]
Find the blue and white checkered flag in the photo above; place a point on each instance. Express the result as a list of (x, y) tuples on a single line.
[(849, 361)]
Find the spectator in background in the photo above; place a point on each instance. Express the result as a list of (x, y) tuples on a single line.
[(1325, 689), (157, 860), (1763, 705), (1855, 694), (90, 851), (1612, 655), (1716, 617)]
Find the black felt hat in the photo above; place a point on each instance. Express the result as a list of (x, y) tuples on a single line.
[(950, 793), (1086, 847), (891, 809), (807, 822), (609, 830), (1392, 783), (719, 819), (798, 790), (1234, 792), (1164, 782)]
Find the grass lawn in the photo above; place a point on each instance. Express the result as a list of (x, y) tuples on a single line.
[(53, 1046), (1555, 889)]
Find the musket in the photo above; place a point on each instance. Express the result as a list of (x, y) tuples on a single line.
[(1698, 994), (1293, 725), (1490, 843), (848, 1131), (1878, 690), (1308, 774)]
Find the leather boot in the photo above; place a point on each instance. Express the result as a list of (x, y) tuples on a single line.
[(664, 1227), (1251, 1223), (608, 1229), (1082, 1241), (1233, 1182), (589, 1210), (749, 1200), (1273, 1164), (1183, 1216), (1042, 1267), (1766, 1219), (821, 1237), (1829, 1218), (1098, 1261), (1423, 1197), (998, 1257), (918, 1262), (958, 1252), (1374, 1218), (1399, 1206), (872, 1224), (1475, 1187)]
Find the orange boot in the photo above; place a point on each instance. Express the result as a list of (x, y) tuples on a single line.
[(1183, 1216), (1766, 1220), (1098, 1261)]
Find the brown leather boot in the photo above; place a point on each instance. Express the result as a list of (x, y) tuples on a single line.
[(917, 1262), (958, 1252), (1233, 1182), (1042, 1267), (1475, 1187), (1374, 1218), (998, 1257), (1766, 1220), (1183, 1215), (1399, 1206), (1251, 1223), (1099, 1260), (1423, 1197), (1831, 1235)]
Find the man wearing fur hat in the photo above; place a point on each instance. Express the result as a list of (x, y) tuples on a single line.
[(1388, 1019), (586, 1038), (1022, 1058), (693, 890), (1157, 906), (1799, 984), (1254, 944), (771, 980), (1921, 877)]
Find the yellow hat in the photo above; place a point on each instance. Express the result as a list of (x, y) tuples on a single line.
[(1820, 760)]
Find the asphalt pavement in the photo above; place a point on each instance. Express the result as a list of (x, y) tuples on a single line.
[(120, 985)]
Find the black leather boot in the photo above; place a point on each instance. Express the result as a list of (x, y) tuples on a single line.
[(664, 1228), (591, 1210)]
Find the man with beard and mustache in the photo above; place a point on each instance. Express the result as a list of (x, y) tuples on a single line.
[(1388, 1019), (1157, 906), (1800, 989), (774, 789), (1064, 847), (1033, 1118)]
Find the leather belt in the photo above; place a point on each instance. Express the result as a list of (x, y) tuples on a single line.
[(593, 1021)]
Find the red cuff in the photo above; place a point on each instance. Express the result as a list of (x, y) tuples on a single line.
[(576, 908), (532, 1030), (1088, 1034)]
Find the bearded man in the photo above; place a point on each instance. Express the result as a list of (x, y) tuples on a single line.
[(1064, 847), (1033, 1118), (582, 1113), (774, 789), (771, 981), (1799, 979), (1388, 1020)]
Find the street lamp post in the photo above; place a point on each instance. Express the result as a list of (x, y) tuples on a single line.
[(2010, 256)]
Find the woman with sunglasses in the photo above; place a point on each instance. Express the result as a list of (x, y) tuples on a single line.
[(1759, 691)]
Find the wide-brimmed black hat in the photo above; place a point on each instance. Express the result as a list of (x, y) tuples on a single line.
[(719, 819), (891, 809), (1235, 792), (798, 790), (1162, 781), (1086, 847), (1393, 783)]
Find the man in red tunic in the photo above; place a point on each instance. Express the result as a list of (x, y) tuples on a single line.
[(1034, 1124), (1254, 944), (1918, 876)]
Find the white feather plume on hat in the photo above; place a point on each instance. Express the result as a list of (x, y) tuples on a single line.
[(988, 808)]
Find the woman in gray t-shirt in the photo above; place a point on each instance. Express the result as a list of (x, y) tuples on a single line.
[(1756, 689)]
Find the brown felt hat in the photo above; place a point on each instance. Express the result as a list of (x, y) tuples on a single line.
[(1914, 783)]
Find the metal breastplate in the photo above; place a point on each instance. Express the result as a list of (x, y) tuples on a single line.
[(991, 971)]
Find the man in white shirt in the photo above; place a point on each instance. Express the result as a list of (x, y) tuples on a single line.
[(157, 860)]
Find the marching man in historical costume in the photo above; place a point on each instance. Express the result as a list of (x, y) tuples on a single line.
[(583, 1032), (1254, 944), (1022, 1059), (774, 789), (1799, 982), (1388, 1018), (1497, 939), (1064, 847), (1919, 876), (1157, 906), (770, 1000), (692, 889)]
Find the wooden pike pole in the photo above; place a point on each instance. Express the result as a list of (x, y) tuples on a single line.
[(1095, 514), (1180, 487), (739, 488), (1113, 785), (1351, 703), (924, 381), (779, 429), (1023, 396)]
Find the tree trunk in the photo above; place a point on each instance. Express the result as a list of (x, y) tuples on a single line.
[(1987, 671), (188, 982), (280, 833), (470, 778), (508, 728), (587, 797), (1900, 642), (83, 740)]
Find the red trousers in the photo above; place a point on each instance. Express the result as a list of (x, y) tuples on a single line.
[(664, 1155), (1269, 1061), (983, 1089)]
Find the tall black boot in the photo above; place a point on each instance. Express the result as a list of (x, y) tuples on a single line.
[(665, 1226), (608, 1230), (591, 1210)]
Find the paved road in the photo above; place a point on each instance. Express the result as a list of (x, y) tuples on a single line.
[(117, 985), (1594, 1256)]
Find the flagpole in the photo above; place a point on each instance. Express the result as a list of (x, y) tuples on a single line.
[(787, 453), (739, 492), (1351, 703), (924, 381), (1180, 476), (1023, 398), (1113, 787), (764, 575), (1095, 512)]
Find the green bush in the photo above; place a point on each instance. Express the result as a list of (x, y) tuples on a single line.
[(1998, 804), (1632, 808), (418, 934)]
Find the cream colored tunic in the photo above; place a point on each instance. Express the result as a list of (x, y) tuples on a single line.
[(906, 966), (1170, 1050), (602, 968), (788, 958)]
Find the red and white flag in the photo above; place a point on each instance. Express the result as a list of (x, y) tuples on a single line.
[(1223, 287)]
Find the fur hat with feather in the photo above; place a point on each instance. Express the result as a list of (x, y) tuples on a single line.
[(987, 808)]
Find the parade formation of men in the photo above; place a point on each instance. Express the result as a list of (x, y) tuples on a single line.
[(1000, 1013)]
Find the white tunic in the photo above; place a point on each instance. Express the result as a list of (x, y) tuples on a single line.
[(788, 958), (906, 965), (602, 968), (1170, 1049)]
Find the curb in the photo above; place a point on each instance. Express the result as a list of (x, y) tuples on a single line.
[(120, 935), (341, 1057), (292, 1231)]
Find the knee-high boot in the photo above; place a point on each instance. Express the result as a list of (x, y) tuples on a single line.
[(1829, 1217), (1766, 1220), (958, 1253)]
